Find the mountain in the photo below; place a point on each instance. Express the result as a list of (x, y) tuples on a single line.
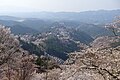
[(44, 26), (30, 23), (18, 29), (95, 30), (8, 22), (91, 29), (9, 18), (37, 24), (58, 41), (95, 17), (90, 22)]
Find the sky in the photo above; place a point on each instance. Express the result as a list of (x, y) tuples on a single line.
[(57, 5)]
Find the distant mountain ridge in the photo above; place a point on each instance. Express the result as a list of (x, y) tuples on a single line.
[(90, 22), (96, 17), (6, 17)]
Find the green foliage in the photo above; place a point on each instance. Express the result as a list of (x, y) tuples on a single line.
[(34, 49), (40, 62), (81, 36), (59, 48)]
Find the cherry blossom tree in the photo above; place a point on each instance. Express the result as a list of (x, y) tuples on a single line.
[(15, 63), (114, 26)]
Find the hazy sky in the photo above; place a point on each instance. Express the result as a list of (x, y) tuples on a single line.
[(57, 5)]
